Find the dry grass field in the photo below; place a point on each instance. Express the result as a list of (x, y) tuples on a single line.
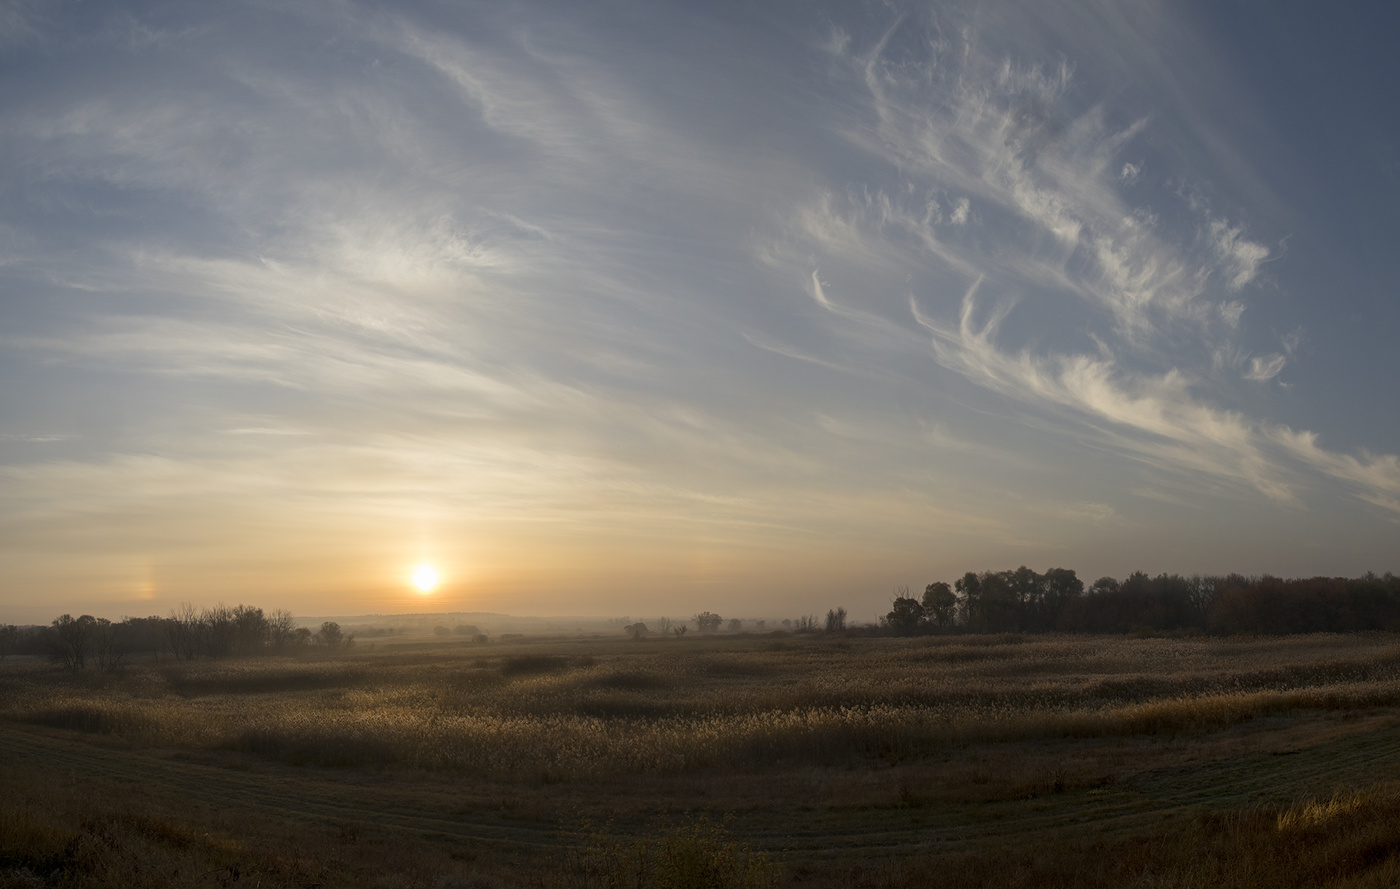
[(716, 761)]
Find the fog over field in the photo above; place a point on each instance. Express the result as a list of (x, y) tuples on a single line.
[(655, 308)]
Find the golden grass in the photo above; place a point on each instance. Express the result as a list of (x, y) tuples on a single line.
[(674, 707), (1312, 813), (896, 731)]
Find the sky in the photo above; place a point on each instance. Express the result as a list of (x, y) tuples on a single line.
[(643, 308)]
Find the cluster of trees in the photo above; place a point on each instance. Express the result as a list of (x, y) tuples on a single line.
[(709, 622), (1025, 600), (666, 627), (220, 631), (836, 620), (993, 601), (471, 630)]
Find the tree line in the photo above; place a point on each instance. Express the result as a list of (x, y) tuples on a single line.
[(80, 643), (709, 622), (1024, 600)]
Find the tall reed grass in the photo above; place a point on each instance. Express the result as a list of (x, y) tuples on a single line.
[(573, 712)]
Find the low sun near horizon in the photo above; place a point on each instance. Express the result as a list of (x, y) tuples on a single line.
[(425, 578)]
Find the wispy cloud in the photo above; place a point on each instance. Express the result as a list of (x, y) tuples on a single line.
[(1241, 257), (1045, 166), (1263, 369), (1376, 477), (1165, 420)]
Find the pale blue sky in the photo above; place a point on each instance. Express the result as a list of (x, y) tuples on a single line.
[(644, 308)]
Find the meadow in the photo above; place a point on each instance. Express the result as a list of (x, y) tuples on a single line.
[(743, 760)]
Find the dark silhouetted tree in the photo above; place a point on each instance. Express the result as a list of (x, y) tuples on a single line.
[(1027, 590), (906, 614), (1104, 585), (707, 621), (969, 589), (1060, 586), (998, 608), (250, 630), (940, 604)]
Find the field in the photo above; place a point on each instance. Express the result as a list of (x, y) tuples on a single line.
[(739, 760)]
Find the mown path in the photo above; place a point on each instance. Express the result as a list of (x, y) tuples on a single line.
[(1296, 762), (1142, 802), (330, 796)]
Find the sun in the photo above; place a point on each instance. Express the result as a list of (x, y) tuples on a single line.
[(425, 578)]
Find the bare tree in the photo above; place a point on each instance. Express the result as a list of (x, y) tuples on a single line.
[(280, 627), (71, 640), (107, 645), (220, 630), (183, 632), (836, 620), (663, 625), (9, 636)]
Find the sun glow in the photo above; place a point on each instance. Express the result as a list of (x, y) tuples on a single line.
[(425, 578)]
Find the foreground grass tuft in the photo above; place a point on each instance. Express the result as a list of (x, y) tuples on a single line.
[(698, 855)]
